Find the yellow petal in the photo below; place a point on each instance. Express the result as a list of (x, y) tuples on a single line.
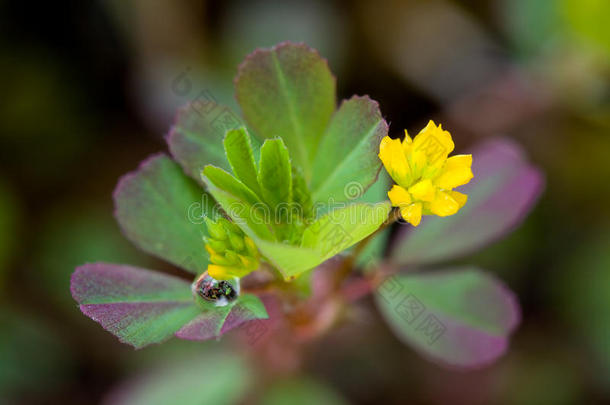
[(458, 162), (444, 205), (423, 190), (459, 198), (454, 178), (435, 143), (399, 196), (417, 162), (218, 272), (225, 272), (412, 213), (456, 172), (407, 143), (430, 127), (394, 159)]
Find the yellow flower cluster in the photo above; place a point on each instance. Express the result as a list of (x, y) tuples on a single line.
[(232, 253), (424, 174)]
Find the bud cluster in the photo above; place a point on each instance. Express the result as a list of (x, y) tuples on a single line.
[(232, 253)]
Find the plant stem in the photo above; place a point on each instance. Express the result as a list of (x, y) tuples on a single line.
[(349, 261)]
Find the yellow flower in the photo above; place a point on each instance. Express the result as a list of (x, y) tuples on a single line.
[(425, 175)]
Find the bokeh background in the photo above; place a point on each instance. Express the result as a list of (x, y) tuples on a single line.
[(89, 90)]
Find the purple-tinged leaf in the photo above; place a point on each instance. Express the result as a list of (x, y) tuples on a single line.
[(350, 146), (460, 318), (288, 91), (161, 211), (138, 306), (196, 138), (504, 189), (213, 324)]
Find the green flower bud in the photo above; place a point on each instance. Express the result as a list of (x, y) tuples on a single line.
[(237, 241), (215, 229), (232, 253)]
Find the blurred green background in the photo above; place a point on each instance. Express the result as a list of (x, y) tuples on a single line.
[(88, 91)]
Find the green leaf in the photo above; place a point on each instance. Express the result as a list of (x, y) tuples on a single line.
[(136, 305), (326, 237), (375, 249), (141, 306), (459, 317), (301, 391), (300, 192), (288, 91), (341, 228), (275, 173), (161, 210), (196, 138), (239, 202), (253, 305), (217, 378), (225, 181), (215, 321), (290, 260), (238, 149), (350, 146)]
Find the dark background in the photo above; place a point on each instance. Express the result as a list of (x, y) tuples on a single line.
[(87, 94)]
